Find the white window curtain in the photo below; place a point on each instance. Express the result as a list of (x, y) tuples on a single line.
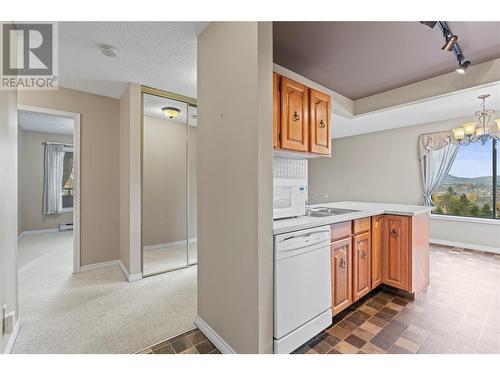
[(437, 154), (53, 178)]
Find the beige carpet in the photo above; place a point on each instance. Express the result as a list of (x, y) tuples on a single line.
[(96, 311)]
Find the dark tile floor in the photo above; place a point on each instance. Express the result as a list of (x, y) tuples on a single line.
[(191, 342), (458, 313)]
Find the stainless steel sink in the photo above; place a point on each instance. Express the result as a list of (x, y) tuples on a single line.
[(327, 211)]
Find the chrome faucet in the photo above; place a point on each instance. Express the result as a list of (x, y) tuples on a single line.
[(315, 197)]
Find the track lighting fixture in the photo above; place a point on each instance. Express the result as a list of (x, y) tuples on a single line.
[(462, 67), (431, 24), (451, 44)]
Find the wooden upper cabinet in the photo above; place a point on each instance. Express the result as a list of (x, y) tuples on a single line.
[(361, 255), (395, 251), (276, 110), (376, 251), (301, 118), (341, 265), (294, 116), (320, 139)]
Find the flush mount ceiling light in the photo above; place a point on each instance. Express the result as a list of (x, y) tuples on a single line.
[(109, 51), (471, 132), (171, 112), (451, 44)]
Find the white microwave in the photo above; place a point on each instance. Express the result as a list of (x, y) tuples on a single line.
[(289, 198)]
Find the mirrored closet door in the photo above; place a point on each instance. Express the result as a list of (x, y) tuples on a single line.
[(168, 174)]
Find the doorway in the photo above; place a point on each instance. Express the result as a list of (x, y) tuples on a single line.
[(169, 233), (49, 185)]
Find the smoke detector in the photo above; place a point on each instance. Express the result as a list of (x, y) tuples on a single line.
[(109, 51)]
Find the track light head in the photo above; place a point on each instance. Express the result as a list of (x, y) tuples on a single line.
[(431, 24), (450, 43), (462, 68)]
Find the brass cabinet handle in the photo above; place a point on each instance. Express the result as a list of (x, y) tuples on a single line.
[(394, 233), (363, 254), (296, 116), (322, 124), (342, 263)]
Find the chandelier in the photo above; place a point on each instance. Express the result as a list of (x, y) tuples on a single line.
[(481, 130)]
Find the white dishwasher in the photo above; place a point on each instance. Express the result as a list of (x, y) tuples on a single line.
[(302, 287)]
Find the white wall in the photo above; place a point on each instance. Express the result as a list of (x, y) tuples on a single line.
[(8, 208), (130, 179), (235, 183), (384, 167)]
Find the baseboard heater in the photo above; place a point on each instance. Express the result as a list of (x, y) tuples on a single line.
[(65, 227)]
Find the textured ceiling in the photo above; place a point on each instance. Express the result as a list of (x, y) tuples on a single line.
[(359, 59), (156, 54), (44, 123)]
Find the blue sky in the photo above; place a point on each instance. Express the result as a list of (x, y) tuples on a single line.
[(473, 160)]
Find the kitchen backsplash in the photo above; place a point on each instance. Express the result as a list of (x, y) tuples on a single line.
[(290, 168)]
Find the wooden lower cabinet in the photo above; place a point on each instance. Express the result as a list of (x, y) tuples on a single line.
[(361, 250), (341, 264), (385, 249), (395, 266), (376, 253)]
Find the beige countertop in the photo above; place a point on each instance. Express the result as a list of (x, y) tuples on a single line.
[(364, 209)]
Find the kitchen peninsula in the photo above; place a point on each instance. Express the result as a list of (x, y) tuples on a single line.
[(398, 245), (337, 253)]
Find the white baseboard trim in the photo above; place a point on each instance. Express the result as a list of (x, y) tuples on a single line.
[(168, 244), (12, 338), (37, 231), (219, 343), (464, 245), (111, 263), (130, 277), (95, 266)]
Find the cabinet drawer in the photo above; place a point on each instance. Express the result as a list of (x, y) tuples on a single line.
[(361, 225), (341, 230)]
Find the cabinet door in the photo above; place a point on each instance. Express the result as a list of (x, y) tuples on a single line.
[(294, 115), (395, 251), (376, 253), (361, 265), (276, 110), (341, 274), (319, 123)]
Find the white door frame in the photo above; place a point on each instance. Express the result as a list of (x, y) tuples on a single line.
[(76, 181)]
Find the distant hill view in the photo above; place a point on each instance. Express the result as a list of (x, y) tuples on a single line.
[(454, 180), (465, 196)]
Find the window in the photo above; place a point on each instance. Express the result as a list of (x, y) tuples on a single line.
[(68, 176), (470, 188)]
